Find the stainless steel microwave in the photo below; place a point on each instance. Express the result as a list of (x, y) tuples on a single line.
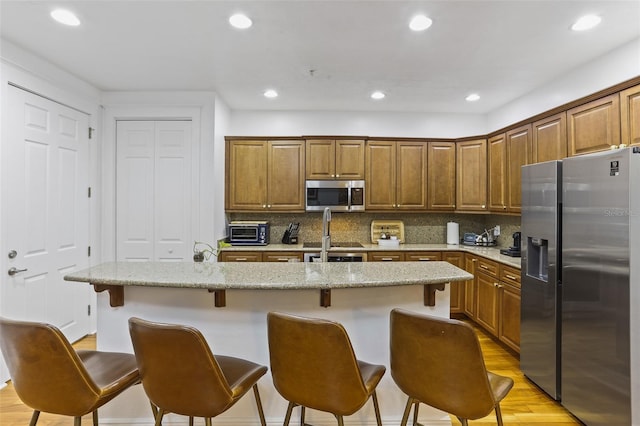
[(338, 195), (249, 233)]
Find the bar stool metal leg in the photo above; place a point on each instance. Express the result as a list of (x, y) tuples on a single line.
[(499, 414), (287, 417), (95, 417), (77, 421), (376, 408), (159, 417), (407, 410), (263, 422), (34, 418)]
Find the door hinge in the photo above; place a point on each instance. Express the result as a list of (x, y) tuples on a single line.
[(91, 132), (88, 310), (89, 192), (89, 251)]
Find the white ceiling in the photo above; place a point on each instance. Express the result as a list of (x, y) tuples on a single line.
[(324, 55)]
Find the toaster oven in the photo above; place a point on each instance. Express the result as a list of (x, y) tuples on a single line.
[(248, 233)]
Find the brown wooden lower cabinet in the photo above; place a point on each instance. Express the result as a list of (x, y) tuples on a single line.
[(470, 298), (282, 256), (457, 288), (385, 256), (509, 330), (488, 302), (240, 256)]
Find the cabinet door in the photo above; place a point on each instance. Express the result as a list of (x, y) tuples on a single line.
[(380, 175), (550, 138), (594, 126), (385, 256), (509, 332), (240, 256), (630, 115), (488, 307), (498, 173), (470, 292), (246, 175), (282, 256), (471, 175), (320, 159), (411, 176), (349, 159), (286, 176), (518, 155), (422, 256), (441, 172), (457, 288)]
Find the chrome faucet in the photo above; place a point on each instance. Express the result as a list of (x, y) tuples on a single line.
[(326, 234)]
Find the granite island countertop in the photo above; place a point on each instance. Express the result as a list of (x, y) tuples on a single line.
[(269, 275)]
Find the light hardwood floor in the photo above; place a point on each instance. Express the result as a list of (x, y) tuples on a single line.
[(525, 405)]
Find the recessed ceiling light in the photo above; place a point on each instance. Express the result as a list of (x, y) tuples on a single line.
[(472, 97), (377, 95), (586, 23), (65, 17), (240, 21), (270, 94), (420, 23)]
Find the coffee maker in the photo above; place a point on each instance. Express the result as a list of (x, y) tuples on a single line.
[(514, 250)]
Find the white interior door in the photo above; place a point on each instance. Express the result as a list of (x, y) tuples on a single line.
[(45, 175), (153, 201)]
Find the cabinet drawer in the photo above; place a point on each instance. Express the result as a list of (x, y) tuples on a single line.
[(488, 266), (510, 275), (385, 256), (422, 256), (240, 256), (282, 256)]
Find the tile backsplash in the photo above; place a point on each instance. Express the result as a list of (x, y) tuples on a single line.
[(419, 228)]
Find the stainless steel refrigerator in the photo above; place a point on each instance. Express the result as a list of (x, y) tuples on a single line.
[(541, 275), (601, 287)]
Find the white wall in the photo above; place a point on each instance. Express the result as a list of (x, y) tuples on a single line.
[(615, 67), (608, 70), (381, 124)]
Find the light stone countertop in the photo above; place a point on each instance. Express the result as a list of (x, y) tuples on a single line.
[(491, 253), (269, 275)]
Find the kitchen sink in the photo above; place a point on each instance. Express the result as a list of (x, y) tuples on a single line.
[(317, 244)]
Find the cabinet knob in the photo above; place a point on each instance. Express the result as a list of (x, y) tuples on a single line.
[(504, 207), (483, 206), (264, 206), (333, 175), (337, 176)]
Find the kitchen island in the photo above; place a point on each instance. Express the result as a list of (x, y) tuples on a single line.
[(361, 297)]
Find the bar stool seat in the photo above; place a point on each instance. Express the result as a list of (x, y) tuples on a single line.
[(313, 366), (438, 362), (50, 376), (181, 375)]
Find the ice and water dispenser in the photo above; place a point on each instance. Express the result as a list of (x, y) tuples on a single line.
[(538, 258)]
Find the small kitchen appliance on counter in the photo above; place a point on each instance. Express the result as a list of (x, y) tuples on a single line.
[(248, 233), (514, 250)]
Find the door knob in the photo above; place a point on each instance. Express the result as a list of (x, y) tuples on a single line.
[(13, 270)]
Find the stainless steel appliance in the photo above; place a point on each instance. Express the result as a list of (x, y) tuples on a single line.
[(539, 246), (248, 233), (336, 257), (338, 195), (601, 287)]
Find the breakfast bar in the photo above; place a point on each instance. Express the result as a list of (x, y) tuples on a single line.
[(229, 302)]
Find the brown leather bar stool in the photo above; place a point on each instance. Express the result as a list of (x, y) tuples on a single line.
[(438, 362), (313, 365), (50, 376), (180, 374)]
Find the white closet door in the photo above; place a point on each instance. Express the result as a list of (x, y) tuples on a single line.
[(153, 211), (46, 179)]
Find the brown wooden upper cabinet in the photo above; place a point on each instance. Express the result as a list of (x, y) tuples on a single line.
[(630, 115), (550, 138), (328, 159), (594, 126), (396, 174), (518, 155), (265, 175), (497, 153), (471, 175), (441, 180)]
